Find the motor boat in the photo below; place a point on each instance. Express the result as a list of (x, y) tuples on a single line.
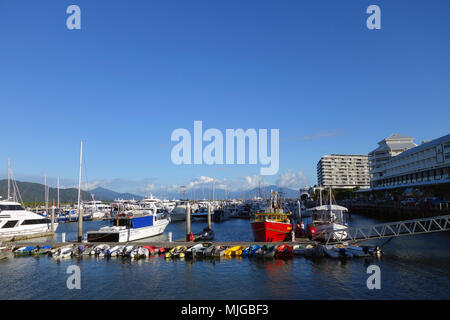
[(16, 221), (131, 228)]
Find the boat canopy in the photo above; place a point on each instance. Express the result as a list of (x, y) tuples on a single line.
[(327, 207)]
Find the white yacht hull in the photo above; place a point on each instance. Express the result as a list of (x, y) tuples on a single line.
[(26, 230), (117, 234)]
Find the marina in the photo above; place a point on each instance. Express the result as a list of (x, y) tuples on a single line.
[(300, 277)]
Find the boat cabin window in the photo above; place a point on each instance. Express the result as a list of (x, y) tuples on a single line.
[(326, 216), (10, 224), (35, 221), (122, 222), (11, 207)]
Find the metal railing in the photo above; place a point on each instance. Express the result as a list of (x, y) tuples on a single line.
[(388, 230)]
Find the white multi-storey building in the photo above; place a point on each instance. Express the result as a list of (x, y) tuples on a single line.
[(428, 163), (387, 148), (343, 171)]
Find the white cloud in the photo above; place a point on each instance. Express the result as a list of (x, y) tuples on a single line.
[(292, 180)]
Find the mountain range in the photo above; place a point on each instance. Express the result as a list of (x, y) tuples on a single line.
[(35, 192)]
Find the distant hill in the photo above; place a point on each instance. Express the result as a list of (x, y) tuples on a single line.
[(109, 195), (220, 194), (35, 192)]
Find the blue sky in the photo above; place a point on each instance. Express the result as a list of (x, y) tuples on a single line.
[(137, 70)]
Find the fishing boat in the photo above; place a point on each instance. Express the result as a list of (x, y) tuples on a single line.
[(272, 225), (131, 228)]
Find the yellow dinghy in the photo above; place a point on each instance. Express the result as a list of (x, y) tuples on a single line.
[(176, 252), (234, 251)]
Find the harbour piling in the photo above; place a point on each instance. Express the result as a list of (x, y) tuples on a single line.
[(188, 221), (209, 216)]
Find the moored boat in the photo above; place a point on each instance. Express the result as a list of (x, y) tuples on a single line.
[(272, 225), (285, 251), (131, 228)]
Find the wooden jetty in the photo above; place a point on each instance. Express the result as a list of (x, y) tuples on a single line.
[(165, 245)]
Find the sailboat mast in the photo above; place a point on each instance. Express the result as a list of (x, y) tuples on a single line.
[(58, 192), (80, 213), (9, 178), (45, 194)]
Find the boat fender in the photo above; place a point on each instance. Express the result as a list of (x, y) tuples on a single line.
[(191, 237), (312, 230)]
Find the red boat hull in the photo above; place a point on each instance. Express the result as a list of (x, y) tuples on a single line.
[(268, 231)]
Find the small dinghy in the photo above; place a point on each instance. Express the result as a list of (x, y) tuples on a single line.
[(299, 250), (267, 251), (139, 252), (330, 252), (253, 249), (192, 251), (127, 251), (63, 253), (206, 235), (177, 252), (41, 250), (234, 251), (24, 251), (100, 250), (208, 252), (151, 250), (219, 251), (87, 250), (314, 251), (246, 251), (78, 251), (357, 251), (115, 251), (343, 252), (285, 251)]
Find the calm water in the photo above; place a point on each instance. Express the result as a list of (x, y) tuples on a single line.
[(415, 267)]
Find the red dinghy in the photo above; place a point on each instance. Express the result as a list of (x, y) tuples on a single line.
[(285, 251), (151, 249)]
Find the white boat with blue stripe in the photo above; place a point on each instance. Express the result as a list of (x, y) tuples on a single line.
[(132, 228)]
